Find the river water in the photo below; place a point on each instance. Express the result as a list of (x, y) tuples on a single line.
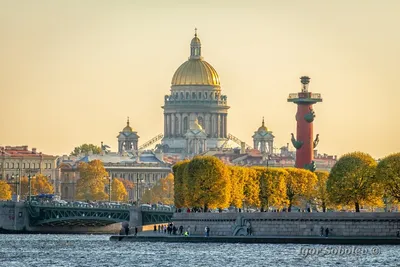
[(97, 251)]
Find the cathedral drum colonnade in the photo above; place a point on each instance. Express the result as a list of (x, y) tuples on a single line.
[(195, 100)]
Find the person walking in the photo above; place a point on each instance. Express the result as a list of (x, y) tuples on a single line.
[(326, 232), (321, 231), (136, 230), (188, 230), (205, 231), (208, 231)]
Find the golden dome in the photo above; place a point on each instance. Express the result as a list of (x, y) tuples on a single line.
[(263, 127), (127, 129), (195, 71)]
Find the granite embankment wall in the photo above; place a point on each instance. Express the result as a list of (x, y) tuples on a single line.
[(376, 224)]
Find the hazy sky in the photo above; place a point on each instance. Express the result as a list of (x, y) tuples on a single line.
[(72, 71)]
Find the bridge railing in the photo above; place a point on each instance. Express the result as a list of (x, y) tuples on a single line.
[(72, 205), (143, 208)]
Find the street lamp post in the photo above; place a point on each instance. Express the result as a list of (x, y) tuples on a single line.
[(109, 189), (137, 190), (29, 188)]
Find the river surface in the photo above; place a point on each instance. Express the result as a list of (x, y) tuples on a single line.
[(97, 251)]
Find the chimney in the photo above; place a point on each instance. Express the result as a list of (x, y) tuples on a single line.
[(33, 150), (242, 147)]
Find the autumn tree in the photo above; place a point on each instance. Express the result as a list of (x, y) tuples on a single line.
[(93, 178), (41, 185), (300, 183), (272, 187), (85, 148), (180, 183), (251, 188), (321, 193), (118, 190), (129, 185), (208, 183), (388, 173), (353, 181), (161, 192), (5, 190), (238, 177)]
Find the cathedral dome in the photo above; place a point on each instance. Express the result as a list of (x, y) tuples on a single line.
[(127, 129), (195, 71), (263, 127)]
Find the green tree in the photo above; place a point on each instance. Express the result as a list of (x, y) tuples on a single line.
[(118, 191), (180, 183), (300, 183), (321, 196), (208, 183), (93, 178), (5, 190), (388, 173), (85, 148), (272, 187), (353, 181)]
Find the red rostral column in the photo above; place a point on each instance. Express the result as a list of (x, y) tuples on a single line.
[(305, 115)]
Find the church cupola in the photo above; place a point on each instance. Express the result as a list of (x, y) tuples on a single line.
[(195, 47)]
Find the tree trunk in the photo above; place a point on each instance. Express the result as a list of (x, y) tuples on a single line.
[(290, 206), (357, 207), (323, 207)]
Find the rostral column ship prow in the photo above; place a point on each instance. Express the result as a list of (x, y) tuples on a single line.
[(305, 115)]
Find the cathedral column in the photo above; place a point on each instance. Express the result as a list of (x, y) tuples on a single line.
[(179, 130), (165, 125), (226, 125), (222, 125), (169, 125), (207, 123), (172, 125), (218, 125)]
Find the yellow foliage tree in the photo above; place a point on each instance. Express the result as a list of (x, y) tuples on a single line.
[(5, 190), (352, 180), (300, 183), (127, 184), (118, 191), (162, 191), (93, 178), (252, 188), (388, 173), (180, 183), (272, 187), (208, 183), (41, 185), (321, 193), (238, 176)]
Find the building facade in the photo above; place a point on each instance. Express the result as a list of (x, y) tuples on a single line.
[(19, 161), (195, 95)]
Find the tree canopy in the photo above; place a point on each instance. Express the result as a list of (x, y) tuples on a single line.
[(40, 184), (181, 183), (300, 184), (93, 178), (388, 173), (5, 190), (353, 181), (85, 148), (321, 193), (118, 190), (161, 192)]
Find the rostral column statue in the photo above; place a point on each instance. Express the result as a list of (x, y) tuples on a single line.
[(305, 115)]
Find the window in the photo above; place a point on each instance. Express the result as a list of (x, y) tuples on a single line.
[(23, 165), (29, 165), (12, 165), (17, 165)]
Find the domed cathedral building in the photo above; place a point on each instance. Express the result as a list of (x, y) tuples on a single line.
[(195, 100)]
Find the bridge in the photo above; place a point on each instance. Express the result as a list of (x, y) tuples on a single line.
[(54, 214)]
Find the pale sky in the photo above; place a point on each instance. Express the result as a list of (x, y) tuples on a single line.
[(72, 71)]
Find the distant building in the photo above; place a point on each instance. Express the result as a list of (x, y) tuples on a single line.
[(142, 168), (19, 161)]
